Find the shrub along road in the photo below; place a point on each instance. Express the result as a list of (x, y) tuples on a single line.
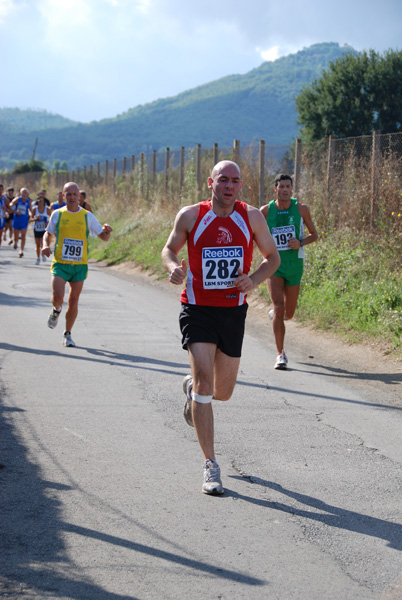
[(101, 478)]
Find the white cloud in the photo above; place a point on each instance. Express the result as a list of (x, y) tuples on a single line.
[(6, 8), (271, 54)]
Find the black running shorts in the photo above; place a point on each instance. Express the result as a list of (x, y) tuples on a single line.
[(214, 325)]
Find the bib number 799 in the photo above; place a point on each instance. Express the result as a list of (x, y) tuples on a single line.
[(72, 250)]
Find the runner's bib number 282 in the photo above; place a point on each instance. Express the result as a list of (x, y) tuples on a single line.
[(72, 250), (220, 266), (282, 235)]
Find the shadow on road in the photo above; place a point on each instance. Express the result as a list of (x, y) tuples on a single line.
[(104, 357), (387, 378), (33, 554), (332, 516)]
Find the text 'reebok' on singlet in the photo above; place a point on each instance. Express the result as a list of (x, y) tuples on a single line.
[(71, 237), (217, 248)]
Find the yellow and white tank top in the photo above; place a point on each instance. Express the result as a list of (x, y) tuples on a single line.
[(71, 237)]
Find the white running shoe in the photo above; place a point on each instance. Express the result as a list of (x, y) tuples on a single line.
[(53, 318), (37, 261), (271, 314), (281, 361), (212, 478), (43, 258), (68, 340), (188, 390)]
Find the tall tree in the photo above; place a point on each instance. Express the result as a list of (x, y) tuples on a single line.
[(357, 94)]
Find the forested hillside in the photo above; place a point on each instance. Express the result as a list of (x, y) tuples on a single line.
[(257, 105)]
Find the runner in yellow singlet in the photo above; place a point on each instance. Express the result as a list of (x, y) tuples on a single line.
[(71, 225)]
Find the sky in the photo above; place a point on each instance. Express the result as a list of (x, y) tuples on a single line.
[(93, 59)]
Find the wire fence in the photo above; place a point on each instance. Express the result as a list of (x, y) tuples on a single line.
[(347, 181)]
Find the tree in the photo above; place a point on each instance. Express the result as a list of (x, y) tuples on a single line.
[(359, 93), (34, 166)]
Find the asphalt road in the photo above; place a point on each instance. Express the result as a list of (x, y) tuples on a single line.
[(100, 478)]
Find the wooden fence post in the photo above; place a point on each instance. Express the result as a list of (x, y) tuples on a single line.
[(330, 165), (298, 151), (181, 169), (98, 173), (236, 151), (132, 168), (153, 167), (216, 154), (114, 168), (167, 161), (142, 174), (198, 167), (106, 171), (261, 199), (124, 166), (375, 156)]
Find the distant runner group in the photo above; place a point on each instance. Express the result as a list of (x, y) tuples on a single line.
[(71, 221), (220, 234)]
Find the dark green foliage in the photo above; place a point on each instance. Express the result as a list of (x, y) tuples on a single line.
[(257, 105), (358, 94), (32, 166)]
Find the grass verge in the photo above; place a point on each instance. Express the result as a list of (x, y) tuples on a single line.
[(352, 283)]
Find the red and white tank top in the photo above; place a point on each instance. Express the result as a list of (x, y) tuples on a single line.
[(217, 248)]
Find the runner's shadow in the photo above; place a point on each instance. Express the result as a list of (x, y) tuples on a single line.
[(388, 378), (110, 358), (21, 301), (329, 515)]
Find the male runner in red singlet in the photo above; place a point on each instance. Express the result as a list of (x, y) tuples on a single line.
[(219, 233)]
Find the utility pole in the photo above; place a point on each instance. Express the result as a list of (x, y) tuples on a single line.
[(34, 150)]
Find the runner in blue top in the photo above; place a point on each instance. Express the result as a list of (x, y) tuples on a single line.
[(20, 206), (59, 202), (3, 207), (286, 219)]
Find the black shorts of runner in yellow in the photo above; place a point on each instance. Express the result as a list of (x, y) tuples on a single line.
[(290, 271), (223, 326), (70, 273)]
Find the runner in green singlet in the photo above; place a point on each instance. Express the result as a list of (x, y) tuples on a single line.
[(286, 219)]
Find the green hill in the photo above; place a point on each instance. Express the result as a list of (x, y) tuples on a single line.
[(257, 105), (33, 120)]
